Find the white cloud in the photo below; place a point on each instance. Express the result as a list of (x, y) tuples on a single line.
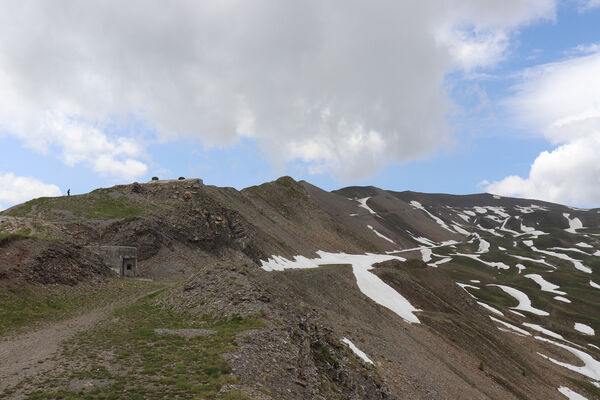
[(585, 5), (17, 189), (344, 86), (561, 101)]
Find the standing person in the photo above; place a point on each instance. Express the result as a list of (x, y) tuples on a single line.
[(69, 192)]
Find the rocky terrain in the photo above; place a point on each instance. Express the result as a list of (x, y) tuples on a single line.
[(357, 293)]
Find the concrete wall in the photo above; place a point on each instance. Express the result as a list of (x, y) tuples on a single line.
[(122, 259)]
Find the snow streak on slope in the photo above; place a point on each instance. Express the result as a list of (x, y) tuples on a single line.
[(591, 367), (368, 283), (441, 223), (576, 263), (499, 265), (522, 298), (363, 203), (543, 330), (544, 284), (511, 326), (594, 284), (380, 234), (357, 351), (571, 395), (490, 308), (541, 261)]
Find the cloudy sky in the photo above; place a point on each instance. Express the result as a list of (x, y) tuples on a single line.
[(459, 96)]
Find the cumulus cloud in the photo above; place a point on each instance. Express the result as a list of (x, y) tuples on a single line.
[(340, 85), (561, 101), (17, 189)]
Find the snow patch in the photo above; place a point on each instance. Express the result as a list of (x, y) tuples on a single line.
[(594, 284), (368, 283), (499, 265), (363, 203), (357, 351), (466, 285), (543, 330), (574, 223), (490, 308), (441, 223), (501, 248), (541, 261), (571, 395), (522, 298), (380, 234), (484, 246), (442, 261), (583, 328), (576, 263), (511, 326), (426, 254), (584, 245), (544, 284), (591, 367), (563, 299)]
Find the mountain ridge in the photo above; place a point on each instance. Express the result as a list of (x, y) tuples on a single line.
[(458, 259)]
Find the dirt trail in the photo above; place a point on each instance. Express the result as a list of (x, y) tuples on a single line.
[(32, 353)]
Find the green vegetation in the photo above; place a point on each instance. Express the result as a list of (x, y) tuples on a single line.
[(95, 205), (129, 360), (25, 306)]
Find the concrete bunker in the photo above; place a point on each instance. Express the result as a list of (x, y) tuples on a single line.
[(121, 259)]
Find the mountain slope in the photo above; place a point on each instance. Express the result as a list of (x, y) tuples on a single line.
[(474, 296)]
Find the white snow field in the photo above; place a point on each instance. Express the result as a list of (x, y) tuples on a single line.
[(583, 328), (522, 332), (594, 284), (571, 395), (380, 234), (544, 284), (584, 245), (574, 223), (591, 367), (357, 351), (441, 223), (368, 283), (522, 298), (363, 203)]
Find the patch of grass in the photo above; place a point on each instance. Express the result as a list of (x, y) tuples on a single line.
[(147, 365), (95, 205), (25, 306)]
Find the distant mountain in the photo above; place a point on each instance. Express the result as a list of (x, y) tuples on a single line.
[(366, 293)]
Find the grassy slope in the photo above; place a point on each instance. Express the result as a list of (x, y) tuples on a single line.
[(127, 359), (25, 307)]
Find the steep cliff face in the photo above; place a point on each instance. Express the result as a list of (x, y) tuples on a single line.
[(446, 296)]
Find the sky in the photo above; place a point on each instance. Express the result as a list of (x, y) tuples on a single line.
[(460, 96)]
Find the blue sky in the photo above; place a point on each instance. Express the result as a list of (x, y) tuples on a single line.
[(460, 102)]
